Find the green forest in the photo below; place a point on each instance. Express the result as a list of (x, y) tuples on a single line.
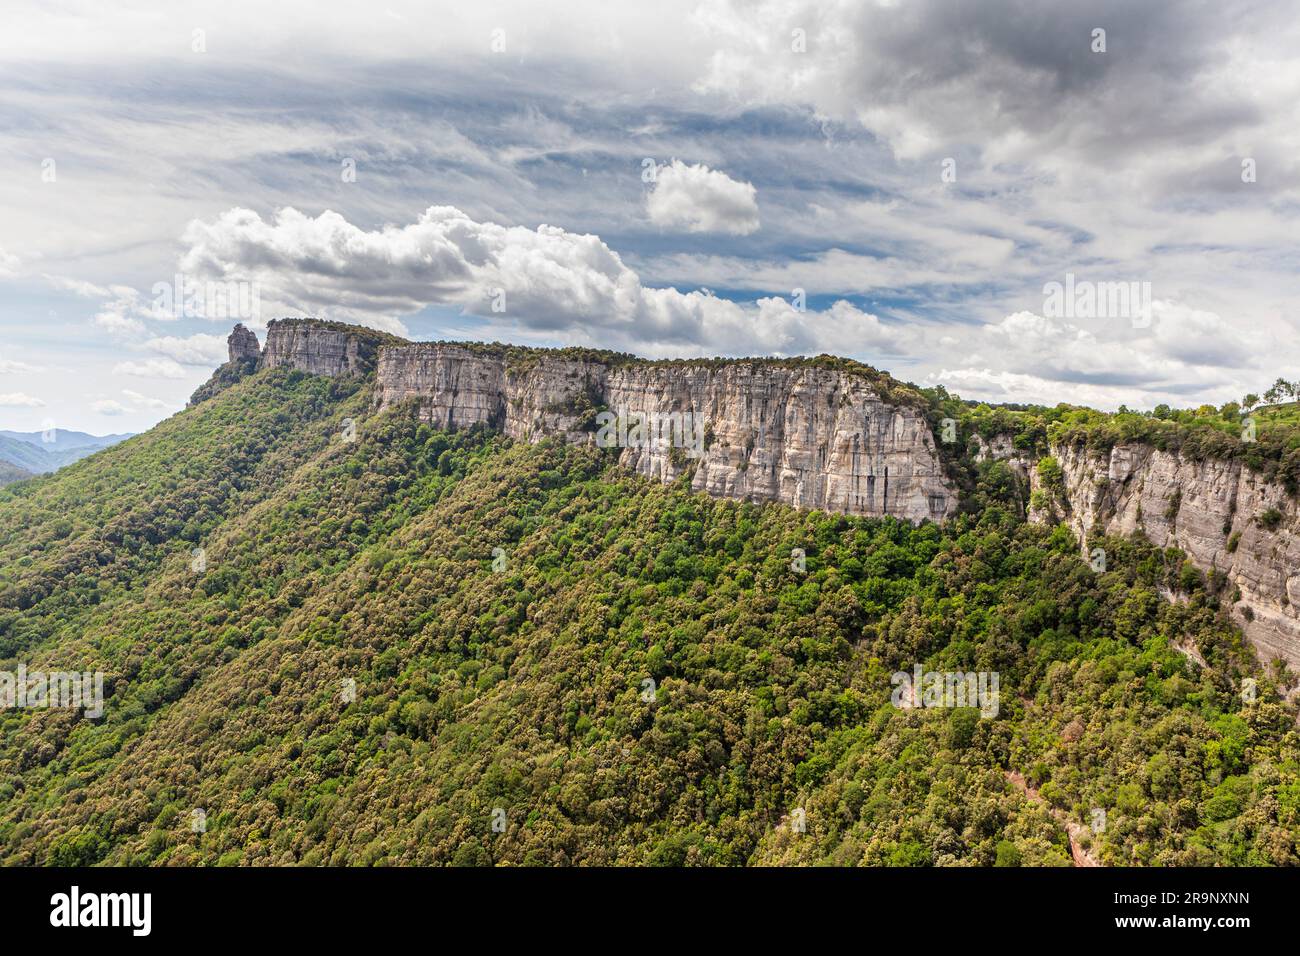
[(408, 647)]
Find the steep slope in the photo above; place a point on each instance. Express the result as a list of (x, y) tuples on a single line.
[(821, 433), (1225, 517), (809, 436), (11, 473), (1219, 488), (405, 645)]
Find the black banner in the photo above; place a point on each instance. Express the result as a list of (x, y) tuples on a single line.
[(135, 907)]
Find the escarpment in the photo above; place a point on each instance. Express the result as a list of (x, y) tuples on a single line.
[(244, 352), (1225, 517), (807, 436), (813, 434), (323, 348)]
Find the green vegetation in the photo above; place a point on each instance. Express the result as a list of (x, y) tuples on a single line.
[(1266, 440), (639, 675), (10, 473), (1269, 519)]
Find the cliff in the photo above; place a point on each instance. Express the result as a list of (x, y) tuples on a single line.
[(242, 345), (243, 352), (1224, 516), (822, 433), (807, 436), (323, 348), (309, 345)]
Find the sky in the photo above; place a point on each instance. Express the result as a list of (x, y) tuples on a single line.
[(949, 191)]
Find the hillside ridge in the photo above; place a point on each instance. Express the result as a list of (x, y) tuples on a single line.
[(835, 435), (812, 433)]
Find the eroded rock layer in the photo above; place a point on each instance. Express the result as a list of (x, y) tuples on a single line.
[(808, 436), (1223, 515)]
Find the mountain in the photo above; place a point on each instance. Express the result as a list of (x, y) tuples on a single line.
[(10, 473), (46, 451), (368, 601), (61, 439)]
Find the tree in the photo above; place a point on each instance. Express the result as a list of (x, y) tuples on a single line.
[(1007, 854)]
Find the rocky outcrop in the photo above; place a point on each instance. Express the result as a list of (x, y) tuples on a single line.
[(808, 436), (1002, 448), (323, 348), (242, 345), (1223, 515), (244, 353), (449, 386)]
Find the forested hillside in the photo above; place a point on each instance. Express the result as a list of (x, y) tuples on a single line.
[(398, 646)]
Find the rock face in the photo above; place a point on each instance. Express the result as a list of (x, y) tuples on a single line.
[(450, 386), (243, 346), (811, 437), (1209, 509), (244, 353), (807, 436), (322, 348)]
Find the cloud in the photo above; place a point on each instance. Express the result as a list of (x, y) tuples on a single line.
[(114, 322), (542, 281), (1118, 164), (121, 315), (144, 401), (9, 264), (699, 199), (198, 349), (108, 406), (151, 368), (19, 400), (1027, 357), (13, 366), (1024, 80)]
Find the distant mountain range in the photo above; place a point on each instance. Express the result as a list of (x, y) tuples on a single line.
[(23, 454)]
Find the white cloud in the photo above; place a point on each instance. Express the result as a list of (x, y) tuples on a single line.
[(114, 322), (1123, 164), (19, 400), (120, 315), (13, 366), (198, 349), (151, 368), (699, 199), (8, 264), (144, 401), (550, 282), (108, 406), (1026, 357)]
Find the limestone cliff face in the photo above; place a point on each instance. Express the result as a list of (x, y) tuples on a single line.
[(807, 436), (244, 352), (1210, 510), (242, 345), (322, 348)]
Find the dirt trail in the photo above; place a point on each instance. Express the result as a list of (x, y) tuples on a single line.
[(1075, 831)]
